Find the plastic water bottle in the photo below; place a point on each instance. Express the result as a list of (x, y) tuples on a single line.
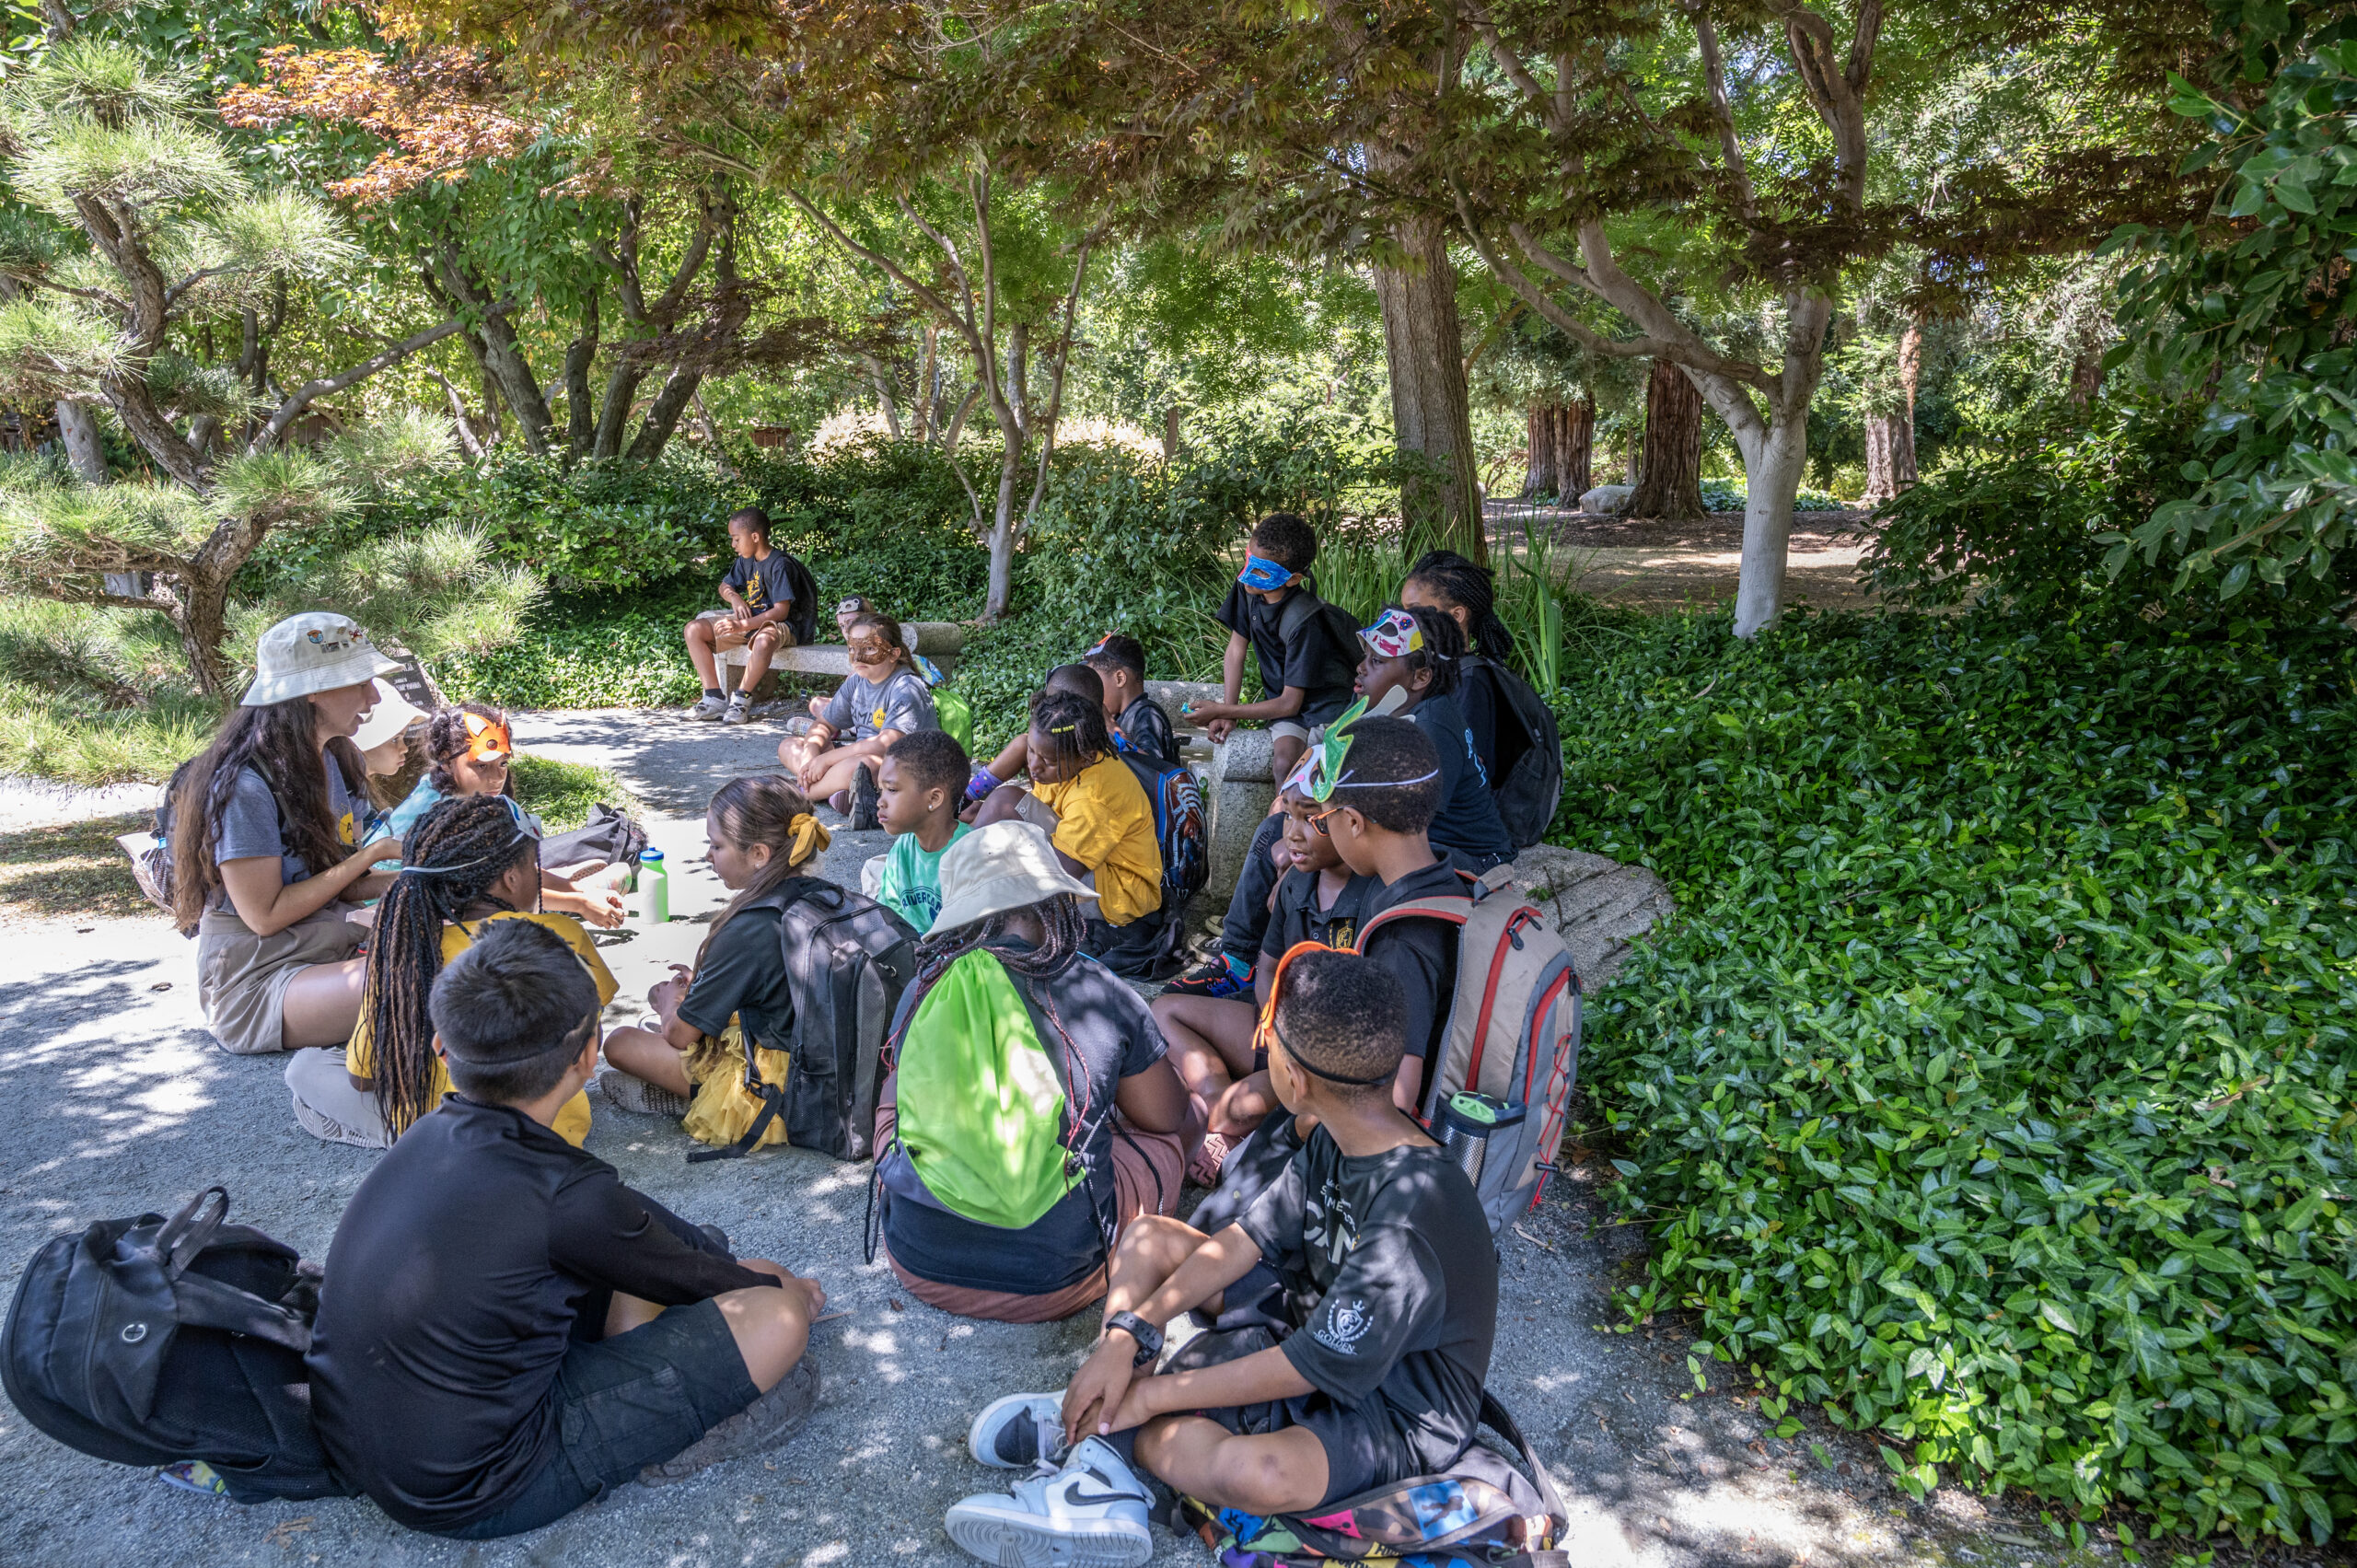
[(654, 888)]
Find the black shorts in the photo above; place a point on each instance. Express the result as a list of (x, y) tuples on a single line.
[(624, 1404), (1362, 1450)]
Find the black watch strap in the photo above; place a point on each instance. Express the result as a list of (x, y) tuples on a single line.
[(1148, 1337)]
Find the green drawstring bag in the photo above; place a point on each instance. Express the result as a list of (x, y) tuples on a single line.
[(982, 1116)]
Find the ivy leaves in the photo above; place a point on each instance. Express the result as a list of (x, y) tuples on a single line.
[(1993, 1091)]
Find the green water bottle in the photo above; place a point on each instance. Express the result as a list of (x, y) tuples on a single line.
[(654, 888)]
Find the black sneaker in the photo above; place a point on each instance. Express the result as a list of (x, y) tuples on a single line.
[(862, 801), (1221, 975), (760, 1426)]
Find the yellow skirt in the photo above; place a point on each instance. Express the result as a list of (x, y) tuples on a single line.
[(723, 1107)]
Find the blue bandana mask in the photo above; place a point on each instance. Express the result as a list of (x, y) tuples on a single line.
[(1262, 573)]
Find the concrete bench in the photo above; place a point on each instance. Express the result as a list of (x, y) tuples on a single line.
[(1236, 784), (937, 640)]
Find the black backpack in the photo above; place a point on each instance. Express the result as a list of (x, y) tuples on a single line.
[(803, 619), (1181, 828), (1529, 782), (149, 1341), (847, 959), (1341, 630), (151, 862)]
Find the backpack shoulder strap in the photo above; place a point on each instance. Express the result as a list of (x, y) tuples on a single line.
[(793, 891), (1494, 1417), (1454, 912)]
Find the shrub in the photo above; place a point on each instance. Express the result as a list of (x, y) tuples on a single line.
[(1993, 1088), (1732, 495)]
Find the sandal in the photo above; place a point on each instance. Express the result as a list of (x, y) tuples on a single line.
[(1203, 1168)]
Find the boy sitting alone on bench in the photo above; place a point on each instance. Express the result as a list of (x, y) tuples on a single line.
[(1352, 1307), (492, 1349), (765, 613)]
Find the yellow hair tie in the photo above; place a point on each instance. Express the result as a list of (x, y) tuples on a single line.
[(1064, 729), (810, 839)]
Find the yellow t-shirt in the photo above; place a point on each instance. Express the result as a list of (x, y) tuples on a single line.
[(1104, 822), (571, 1121)]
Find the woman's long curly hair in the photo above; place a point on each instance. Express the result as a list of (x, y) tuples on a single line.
[(1463, 585), (760, 809), (281, 742), (446, 740), (449, 862)]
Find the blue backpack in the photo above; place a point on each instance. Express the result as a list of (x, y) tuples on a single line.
[(1181, 828)]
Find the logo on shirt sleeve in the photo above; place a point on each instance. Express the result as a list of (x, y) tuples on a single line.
[(1346, 1324)]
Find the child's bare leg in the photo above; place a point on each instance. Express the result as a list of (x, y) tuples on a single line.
[(650, 1059), (1283, 752), (1282, 1472), (700, 653), (837, 774), (1245, 1105), (758, 649), (796, 752), (1210, 1043)]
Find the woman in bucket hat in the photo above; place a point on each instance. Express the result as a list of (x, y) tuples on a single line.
[(267, 824), (1031, 1115)]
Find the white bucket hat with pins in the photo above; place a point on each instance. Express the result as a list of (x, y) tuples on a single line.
[(1007, 865), (317, 651)]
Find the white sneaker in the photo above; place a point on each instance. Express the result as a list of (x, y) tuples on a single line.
[(707, 709), (741, 710), (1091, 1514), (1017, 1432)]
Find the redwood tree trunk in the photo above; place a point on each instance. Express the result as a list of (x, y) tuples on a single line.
[(1890, 455), (1669, 482), (1539, 474), (1424, 348), (1575, 448)]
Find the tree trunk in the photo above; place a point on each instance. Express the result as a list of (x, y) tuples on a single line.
[(1424, 348), (201, 620), (1773, 478), (663, 415), (1170, 418), (580, 411), (497, 349), (1562, 449), (1539, 476), (78, 428), (1890, 455), (1669, 483), (613, 414), (1001, 578)]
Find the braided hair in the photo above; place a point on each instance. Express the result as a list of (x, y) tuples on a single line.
[(281, 742), (761, 809), (449, 862), (446, 740), (1460, 584), (1073, 723)]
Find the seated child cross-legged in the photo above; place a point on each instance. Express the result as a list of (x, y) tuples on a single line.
[(759, 833), (1014, 757), (467, 865), (1029, 1117), (1088, 800), (883, 699), (493, 1347), (1367, 1263), (1212, 1037), (921, 784)]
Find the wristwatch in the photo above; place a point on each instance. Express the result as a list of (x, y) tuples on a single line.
[(1148, 1337)]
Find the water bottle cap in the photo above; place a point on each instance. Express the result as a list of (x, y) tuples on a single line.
[(648, 855), (1474, 1107)]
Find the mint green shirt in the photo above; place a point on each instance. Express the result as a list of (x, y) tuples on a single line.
[(911, 885)]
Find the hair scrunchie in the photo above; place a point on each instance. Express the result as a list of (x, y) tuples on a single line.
[(810, 839)]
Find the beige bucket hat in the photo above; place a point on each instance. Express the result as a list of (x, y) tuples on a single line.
[(317, 651), (1007, 865)]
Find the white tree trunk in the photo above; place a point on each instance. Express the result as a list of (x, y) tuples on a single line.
[(77, 427), (1002, 578), (1771, 468)]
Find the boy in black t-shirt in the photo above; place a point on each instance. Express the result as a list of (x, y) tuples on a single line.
[(1140, 726), (1368, 1261), (762, 617), (1305, 666), (1211, 1036), (493, 1347)]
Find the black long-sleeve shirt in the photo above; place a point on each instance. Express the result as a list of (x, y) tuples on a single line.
[(478, 1250)]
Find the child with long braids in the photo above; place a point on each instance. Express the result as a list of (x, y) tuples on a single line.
[(468, 861), (1091, 805), (1467, 594), (1000, 981), (469, 749), (691, 1064)]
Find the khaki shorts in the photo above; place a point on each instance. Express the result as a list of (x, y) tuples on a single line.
[(241, 978), (1308, 734), (785, 632)]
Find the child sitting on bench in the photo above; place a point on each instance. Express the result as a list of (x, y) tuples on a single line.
[(1351, 1307), (769, 594), (493, 1347)]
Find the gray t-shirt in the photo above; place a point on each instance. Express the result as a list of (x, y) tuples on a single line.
[(250, 829), (861, 708)]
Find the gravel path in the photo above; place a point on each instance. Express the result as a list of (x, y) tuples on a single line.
[(118, 1101)]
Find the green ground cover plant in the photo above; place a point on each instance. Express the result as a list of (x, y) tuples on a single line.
[(1992, 1088)]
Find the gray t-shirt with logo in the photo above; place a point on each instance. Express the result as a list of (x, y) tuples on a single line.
[(1396, 1252), (250, 826), (861, 709)]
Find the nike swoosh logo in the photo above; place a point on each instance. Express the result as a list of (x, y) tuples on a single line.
[(1075, 1495)]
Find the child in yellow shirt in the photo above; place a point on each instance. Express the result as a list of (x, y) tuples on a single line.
[(470, 862), (1091, 804)]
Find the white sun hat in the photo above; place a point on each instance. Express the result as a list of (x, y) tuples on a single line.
[(1007, 865), (392, 714), (317, 651)]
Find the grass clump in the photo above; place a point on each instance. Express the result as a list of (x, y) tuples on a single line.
[(1993, 1089)]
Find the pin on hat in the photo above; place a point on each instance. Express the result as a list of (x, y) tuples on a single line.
[(317, 651)]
